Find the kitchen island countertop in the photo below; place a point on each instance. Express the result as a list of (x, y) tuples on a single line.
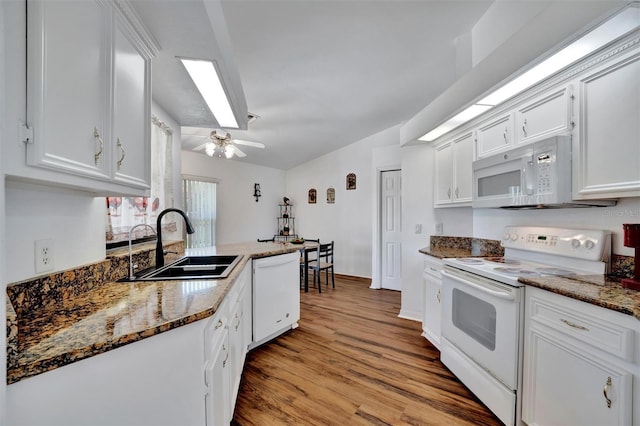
[(107, 315)]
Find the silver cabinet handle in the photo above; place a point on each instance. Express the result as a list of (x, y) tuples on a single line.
[(504, 135), (438, 295), (524, 128), (457, 193), (449, 193), (574, 325), (96, 136), (226, 358), (219, 324), (119, 144), (607, 385)]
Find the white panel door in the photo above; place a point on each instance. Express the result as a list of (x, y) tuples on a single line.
[(391, 230)]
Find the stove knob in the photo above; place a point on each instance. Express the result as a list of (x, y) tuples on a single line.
[(575, 243), (589, 244), (507, 236), (514, 237)]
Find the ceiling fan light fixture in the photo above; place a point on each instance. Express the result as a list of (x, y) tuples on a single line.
[(210, 148), (205, 76), (228, 151)]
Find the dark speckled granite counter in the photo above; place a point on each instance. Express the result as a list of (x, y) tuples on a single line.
[(61, 318), (443, 247), (597, 290)]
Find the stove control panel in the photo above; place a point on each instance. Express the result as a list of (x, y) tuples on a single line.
[(585, 244)]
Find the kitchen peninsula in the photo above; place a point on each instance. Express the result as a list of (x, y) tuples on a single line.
[(57, 320)]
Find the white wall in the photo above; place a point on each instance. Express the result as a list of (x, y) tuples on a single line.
[(417, 208), (489, 223), (348, 222), (240, 217)]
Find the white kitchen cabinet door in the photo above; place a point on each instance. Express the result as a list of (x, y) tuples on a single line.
[(547, 115), (432, 309), (495, 135), (131, 161), (606, 151), (67, 86), (276, 295), (89, 95), (579, 361), (453, 181), (218, 382), (443, 173)]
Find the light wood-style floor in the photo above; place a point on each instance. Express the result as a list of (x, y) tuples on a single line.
[(352, 361)]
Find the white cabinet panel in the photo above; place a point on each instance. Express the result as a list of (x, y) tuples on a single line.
[(495, 135), (545, 116), (607, 151), (432, 300), (579, 363), (453, 171), (89, 95)]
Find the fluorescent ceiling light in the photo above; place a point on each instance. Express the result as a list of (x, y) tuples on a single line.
[(205, 76), (619, 25), (458, 119)]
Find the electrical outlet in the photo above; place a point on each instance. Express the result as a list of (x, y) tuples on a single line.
[(439, 228), (44, 255)]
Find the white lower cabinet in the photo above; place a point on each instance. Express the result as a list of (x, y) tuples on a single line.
[(432, 300), (579, 363), (217, 372)]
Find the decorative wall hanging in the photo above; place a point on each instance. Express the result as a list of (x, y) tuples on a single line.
[(312, 196), (256, 191), (351, 181), (331, 195)]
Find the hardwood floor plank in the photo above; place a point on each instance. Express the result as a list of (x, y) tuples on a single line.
[(352, 361)]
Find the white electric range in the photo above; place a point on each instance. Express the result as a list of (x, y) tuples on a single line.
[(482, 306)]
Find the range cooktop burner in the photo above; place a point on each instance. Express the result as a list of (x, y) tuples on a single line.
[(471, 260), (504, 260), (515, 271)]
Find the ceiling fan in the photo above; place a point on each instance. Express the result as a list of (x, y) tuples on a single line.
[(220, 144)]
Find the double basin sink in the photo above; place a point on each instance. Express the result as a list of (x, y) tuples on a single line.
[(193, 267)]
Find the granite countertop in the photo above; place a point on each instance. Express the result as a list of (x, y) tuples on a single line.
[(444, 247), (599, 290), (104, 316)]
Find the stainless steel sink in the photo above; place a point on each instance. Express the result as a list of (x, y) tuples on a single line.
[(194, 267)]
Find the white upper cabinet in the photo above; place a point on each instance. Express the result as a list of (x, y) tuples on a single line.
[(89, 94), (545, 116), (495, 135), (453, 171), (607, 147)]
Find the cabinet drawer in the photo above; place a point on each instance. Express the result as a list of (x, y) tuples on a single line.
[(432, 266), (589, 324)]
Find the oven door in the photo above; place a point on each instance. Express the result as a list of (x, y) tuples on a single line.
[(481, 317)]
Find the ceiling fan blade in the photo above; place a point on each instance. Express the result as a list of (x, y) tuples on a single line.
[(237, 151), (249, 143), (200, 147)]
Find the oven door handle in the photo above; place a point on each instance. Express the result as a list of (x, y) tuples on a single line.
[(494, 293)]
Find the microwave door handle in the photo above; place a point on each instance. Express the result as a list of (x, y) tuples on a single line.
[(527, 175)]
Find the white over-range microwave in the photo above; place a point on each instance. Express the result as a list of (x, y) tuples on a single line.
[(532, 176)]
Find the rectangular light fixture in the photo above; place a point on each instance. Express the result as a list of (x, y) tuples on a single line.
[(205, 76), (617, 26)]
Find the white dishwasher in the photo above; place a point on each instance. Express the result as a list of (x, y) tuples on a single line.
[(276, 296)]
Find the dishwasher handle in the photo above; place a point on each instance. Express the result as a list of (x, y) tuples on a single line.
[(277, 260), (495, 293)]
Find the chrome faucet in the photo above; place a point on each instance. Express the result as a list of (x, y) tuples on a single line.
[(159, 249), (131, 268)]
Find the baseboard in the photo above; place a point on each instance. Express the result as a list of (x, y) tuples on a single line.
[(363, 280), (410, 315)]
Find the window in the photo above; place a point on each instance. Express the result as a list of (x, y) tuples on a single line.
[(200, 206)]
